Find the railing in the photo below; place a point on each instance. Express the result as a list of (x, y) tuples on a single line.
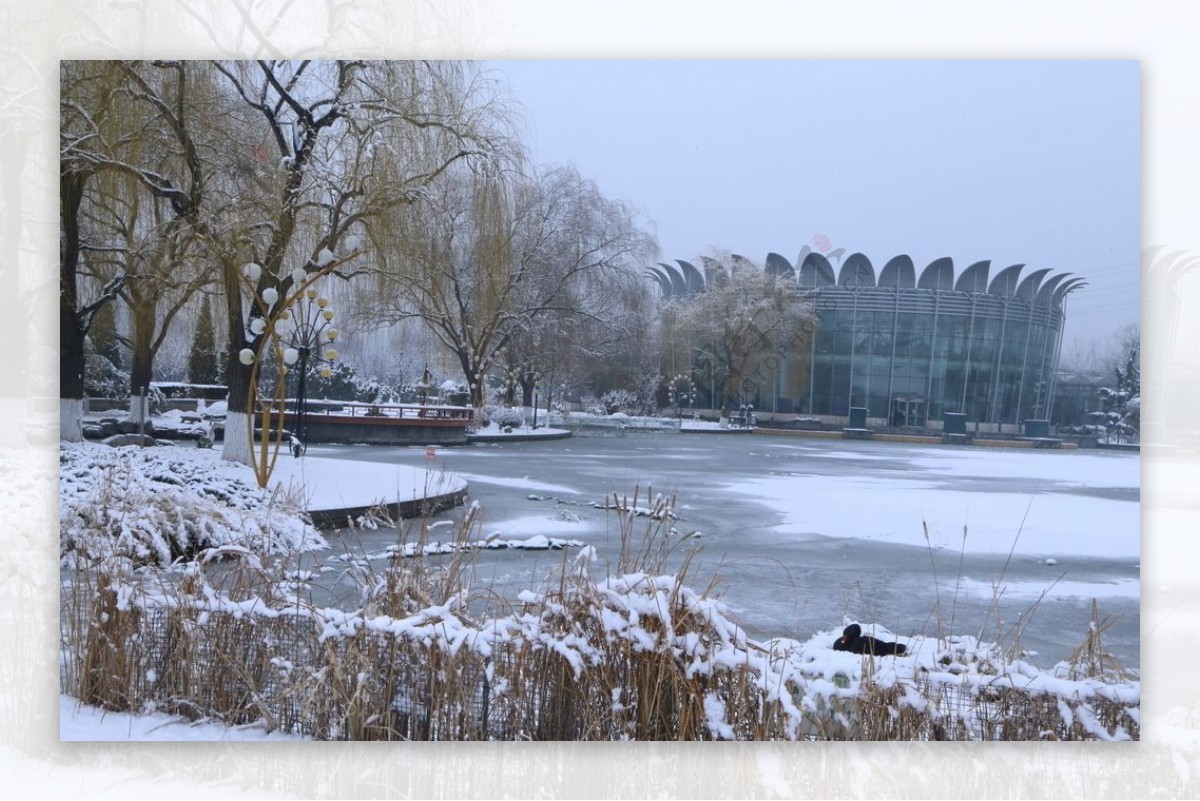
[(402, 411)]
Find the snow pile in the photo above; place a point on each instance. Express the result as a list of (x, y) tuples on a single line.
[(967, 688), (588, 422), (538, 542), (155, 505), (323, 483), (91, 724)]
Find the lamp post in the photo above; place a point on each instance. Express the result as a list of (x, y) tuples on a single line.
[(266, 334), (310, 340), (775, 391), (533, 377), (678, 395), (426, 382)]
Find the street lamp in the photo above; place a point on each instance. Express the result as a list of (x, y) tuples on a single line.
[(679, 396), (267, 333), (426, 383), (310, 339), (532, 378)]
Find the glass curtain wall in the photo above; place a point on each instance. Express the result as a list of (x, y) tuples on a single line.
[(924, 353)]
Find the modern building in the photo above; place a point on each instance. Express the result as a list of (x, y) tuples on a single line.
[(911, 345)]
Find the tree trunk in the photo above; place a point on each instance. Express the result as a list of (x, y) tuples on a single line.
[(70, 374), (474, 387), (238, 422), (236, 447), (141, 355), (70, 333)]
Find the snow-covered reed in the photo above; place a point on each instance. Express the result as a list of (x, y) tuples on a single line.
[(158, 505), (599, 652)]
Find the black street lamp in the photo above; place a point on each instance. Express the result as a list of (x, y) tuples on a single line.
[(533, 377), (310, 340), (425, 386), (678, 396)]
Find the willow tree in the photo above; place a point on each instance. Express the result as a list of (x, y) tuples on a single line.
[(132, 181), (495, 259), (80, 90), (139, 236), (325, 152)]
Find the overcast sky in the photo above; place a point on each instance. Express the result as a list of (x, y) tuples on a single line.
[(1015, 162)]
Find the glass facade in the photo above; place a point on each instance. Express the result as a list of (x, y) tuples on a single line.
[(910, 349), (904, 353)]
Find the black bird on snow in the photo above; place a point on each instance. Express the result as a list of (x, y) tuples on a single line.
[(852, 640)]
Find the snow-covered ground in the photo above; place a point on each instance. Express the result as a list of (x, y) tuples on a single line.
[(896, 508), (88, 723), (495, 433), (339, 484)]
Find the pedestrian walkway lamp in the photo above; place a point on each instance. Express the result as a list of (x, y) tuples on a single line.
[(532, 378), (425, 385), (682, 390), (307, 344), (287, 316)]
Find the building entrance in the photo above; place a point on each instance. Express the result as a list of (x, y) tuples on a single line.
[(908, 411)]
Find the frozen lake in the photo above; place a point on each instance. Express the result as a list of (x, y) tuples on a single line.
[(802, 534)]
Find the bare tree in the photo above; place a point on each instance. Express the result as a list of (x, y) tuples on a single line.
[(81, 89), (139, 237), (132, 180), (742, 316), (505, 266), (339, 146)]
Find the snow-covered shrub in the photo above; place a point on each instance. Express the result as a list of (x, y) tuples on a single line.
[(619, 400), (345, 384), (156, 505), (374, 390), (505, 416), (103, 379), (454, 393), (592, 405)]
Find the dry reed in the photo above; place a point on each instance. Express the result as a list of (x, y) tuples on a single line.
[(634, 655)]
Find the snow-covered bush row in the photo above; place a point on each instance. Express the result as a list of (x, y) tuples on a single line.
[(155, 505), (633, 656), (584, 423)]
